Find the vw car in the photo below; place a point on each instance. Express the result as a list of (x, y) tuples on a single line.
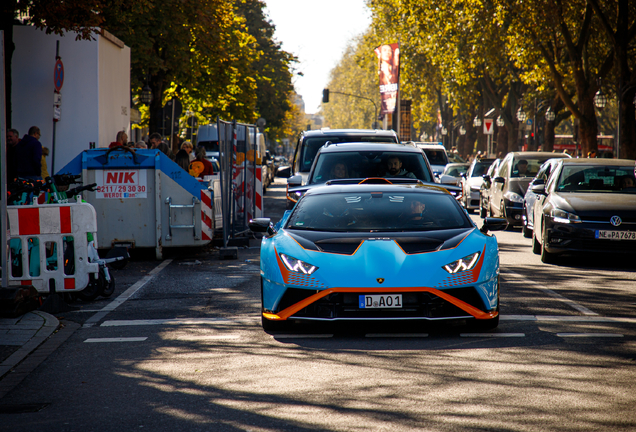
[(588, 205), (342, 162), (378, 251), (453, 173), (511, 181)]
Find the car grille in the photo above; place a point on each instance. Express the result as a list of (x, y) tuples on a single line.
[(415, 305)]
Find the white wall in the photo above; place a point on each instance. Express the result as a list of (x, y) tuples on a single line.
[(96, 87)]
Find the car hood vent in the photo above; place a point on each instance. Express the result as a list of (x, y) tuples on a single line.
[(343, 245), (412, 245)]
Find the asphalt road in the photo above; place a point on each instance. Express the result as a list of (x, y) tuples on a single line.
[(180, 348)]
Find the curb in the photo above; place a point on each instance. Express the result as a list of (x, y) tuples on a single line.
[(50, 325)]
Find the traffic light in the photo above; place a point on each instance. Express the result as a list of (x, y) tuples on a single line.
[(325, 95)]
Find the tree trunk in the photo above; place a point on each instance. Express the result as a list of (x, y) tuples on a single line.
[(502, 141), (588, 128), (548, 136), (7, 17), (513, 137)]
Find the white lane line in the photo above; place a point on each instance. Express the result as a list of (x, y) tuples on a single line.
[(492, 335), (569, 318), (119, 339), (592, 335), (125, 295), (396, 335), (302, 336), (571, 303), (177, 321)]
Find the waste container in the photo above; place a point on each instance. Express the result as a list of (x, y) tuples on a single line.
[(144, 200)]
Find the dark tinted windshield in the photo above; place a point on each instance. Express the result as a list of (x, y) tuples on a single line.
[(211, 146), (311, 145), (365, 164), (610, 179), (377, 211), (436, 157)]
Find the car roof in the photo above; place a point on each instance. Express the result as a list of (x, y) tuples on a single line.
[(348, 132), (376, 146), (429, 145), (351, 188), (600, 162), (532, 154)]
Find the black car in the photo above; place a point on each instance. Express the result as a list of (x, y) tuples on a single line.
[(588, 205), (517, 169), (367, 162)]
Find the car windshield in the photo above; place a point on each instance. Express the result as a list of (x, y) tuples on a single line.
[(365, 164), (312, 145), (480, 169), (377, 211), (455, 170), (603, 179), (436, 157), (527, 167)]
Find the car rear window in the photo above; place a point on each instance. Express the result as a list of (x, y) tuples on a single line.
[(365, 164), (377, 211), (436, 157)]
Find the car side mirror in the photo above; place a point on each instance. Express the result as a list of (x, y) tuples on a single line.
[(538, 181), (486, 178), (494, 224), (539, 189), (294, 181), (500, 180), (262, 225), (284, 172)]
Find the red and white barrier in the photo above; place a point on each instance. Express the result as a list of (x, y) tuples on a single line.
[(207, 223), (56, 227)]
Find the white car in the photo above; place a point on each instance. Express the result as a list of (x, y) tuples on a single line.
[(471, 183)]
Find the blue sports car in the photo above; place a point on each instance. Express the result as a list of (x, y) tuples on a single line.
[(378, 252)]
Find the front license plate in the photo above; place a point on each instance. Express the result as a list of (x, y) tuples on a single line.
[(380, 301), (616, 235)]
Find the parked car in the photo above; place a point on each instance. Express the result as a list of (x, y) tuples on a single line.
[(484, 189), (357, 252), (527, 215), (588, 205), (471, 182), (436, 155), (453, 172), (509, 185), (355, 162), (310, 141)]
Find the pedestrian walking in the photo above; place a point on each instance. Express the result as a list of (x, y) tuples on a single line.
[(28, 163), (121, 140)]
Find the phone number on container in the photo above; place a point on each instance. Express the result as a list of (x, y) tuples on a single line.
[(121, 189)]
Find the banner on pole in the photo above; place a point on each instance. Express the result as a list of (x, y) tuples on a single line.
[(389, 74)]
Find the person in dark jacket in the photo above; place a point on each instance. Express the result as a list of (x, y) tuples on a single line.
[(28, 155)]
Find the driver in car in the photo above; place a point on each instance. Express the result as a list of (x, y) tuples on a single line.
[(394, 168)]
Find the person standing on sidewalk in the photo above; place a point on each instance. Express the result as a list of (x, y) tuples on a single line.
[(13, 139), (28, 155)]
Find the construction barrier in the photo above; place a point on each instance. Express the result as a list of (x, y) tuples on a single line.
[(49, 246), (144, 199)]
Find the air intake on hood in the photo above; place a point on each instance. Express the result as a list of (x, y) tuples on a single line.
[(345, 245)]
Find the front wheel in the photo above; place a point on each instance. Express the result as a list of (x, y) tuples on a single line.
[(536, 246), (546, 257)]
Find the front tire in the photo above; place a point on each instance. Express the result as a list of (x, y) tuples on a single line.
[(546, 257), (536, 246)]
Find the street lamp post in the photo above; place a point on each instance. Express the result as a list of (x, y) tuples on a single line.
[(375, 118)]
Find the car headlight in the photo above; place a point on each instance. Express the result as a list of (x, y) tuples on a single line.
[(563, 216), (297, 265), (513, 197), (462, 264)]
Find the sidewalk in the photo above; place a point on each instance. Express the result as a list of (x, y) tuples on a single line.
[(21, 336)]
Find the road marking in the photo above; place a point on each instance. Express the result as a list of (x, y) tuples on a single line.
[(177, 321), (396, 335), (119, 339), (492, 335), (302, 336), (569, 318), (593, 335), (125, 295), (571, 303)]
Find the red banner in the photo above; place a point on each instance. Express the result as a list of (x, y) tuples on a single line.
[(389, 73)]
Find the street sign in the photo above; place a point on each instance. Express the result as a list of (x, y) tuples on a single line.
[(529, 122), (58, 75), (488, 129)]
